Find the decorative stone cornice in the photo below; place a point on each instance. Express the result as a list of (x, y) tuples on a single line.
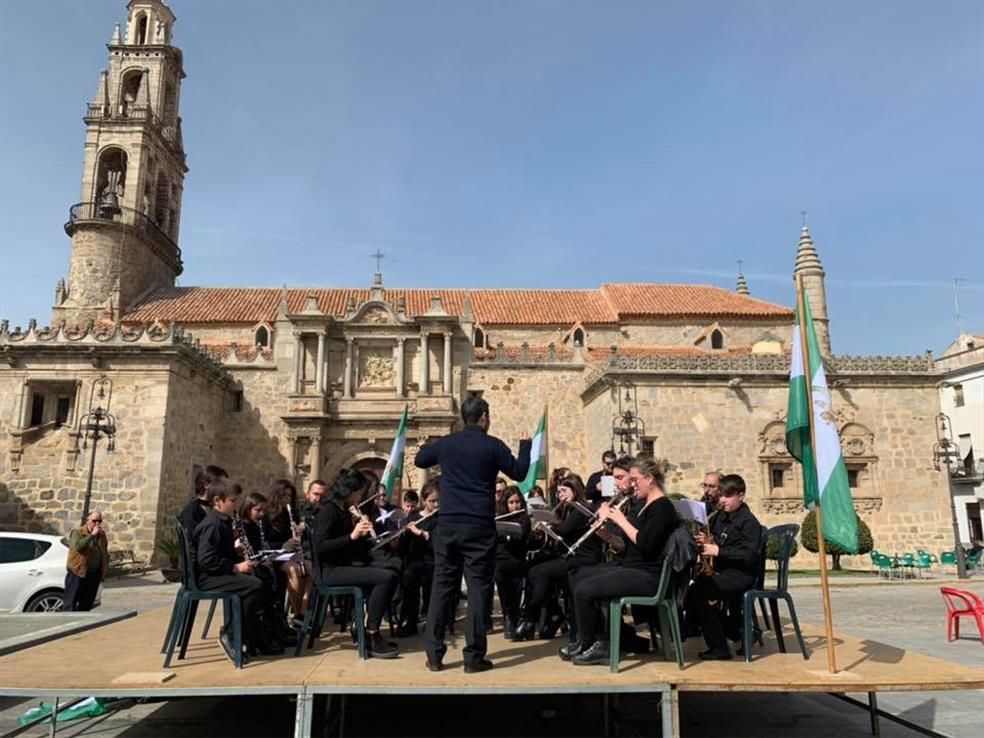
[(526, 356), (94, 342), (794, 505)]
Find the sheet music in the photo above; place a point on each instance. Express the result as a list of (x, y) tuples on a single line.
[(608, 486), (692, 510)]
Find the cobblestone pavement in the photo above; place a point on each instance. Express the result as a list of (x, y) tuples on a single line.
[(907, 615)]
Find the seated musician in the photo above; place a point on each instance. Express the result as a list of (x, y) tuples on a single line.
[(250, 521), (510, 560), (343, 535), (737, 538), (284, 530), (646, 533), (548, 577), (386, 519), (410, 502), (418, 558), (217, 569)]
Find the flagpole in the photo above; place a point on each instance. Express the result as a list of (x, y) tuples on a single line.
[(828, 620), (546, 451)]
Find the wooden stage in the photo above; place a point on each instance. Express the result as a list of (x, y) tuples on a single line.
[(128, 663)]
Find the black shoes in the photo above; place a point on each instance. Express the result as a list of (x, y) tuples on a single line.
[(553, 624), (509, 629), (719, 653), (524, 631), (407, 630), (226, 644), (597, 654), (434, 665), (478, 666), (575, 648), (381, 649)]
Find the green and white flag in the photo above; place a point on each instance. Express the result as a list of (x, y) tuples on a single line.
[(394, 467), (824, 473), (538, 457)]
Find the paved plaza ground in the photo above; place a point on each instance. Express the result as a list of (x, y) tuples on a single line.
[(904, 614)]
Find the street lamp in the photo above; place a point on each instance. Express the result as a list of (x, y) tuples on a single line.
[(627, 426), (95, 424), (946, 457)]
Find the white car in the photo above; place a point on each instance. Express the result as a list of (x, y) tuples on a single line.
[(32, 572)]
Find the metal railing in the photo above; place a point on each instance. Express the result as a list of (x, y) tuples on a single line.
[(94, 211)]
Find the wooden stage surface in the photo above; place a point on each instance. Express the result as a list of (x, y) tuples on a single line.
[(123, 658)]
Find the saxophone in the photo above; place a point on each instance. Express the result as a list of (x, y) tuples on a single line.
[(705, 562)]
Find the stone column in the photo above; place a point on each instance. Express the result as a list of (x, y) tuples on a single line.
[(400, 360), (347, 385), (447, 364), (314, 458), (292, 456), (320, 373), (424, 365), (298, 362)]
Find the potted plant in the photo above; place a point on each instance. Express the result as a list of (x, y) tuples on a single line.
[(169, 547)]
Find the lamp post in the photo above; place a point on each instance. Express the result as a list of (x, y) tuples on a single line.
[(946, 457), (95, 424), (627, 426)]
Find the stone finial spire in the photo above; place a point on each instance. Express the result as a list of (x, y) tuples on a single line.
[(117, 39), (283, 307), (742, 287), (807, 259), (808, 265)]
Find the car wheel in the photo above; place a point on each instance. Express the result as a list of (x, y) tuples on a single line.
[(50, 601)]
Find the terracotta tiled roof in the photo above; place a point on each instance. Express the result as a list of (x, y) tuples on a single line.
[(687, 300), (490, 307)]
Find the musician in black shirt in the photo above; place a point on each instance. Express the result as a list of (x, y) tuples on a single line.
[(510, 559), (196, 509), (217, 569), (546, 577), (343, 536), (637, 574), (736, 549), (418, 558)]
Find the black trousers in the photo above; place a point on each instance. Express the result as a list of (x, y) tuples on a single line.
[(544, 577), (596, 586), (417, 577), (718, 587), (469, 549), (251, 592), (80, 592), (509, 576), (377, 584)]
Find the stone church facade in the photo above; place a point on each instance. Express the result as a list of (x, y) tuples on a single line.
[(299, 383)]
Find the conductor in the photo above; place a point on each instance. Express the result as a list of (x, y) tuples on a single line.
[(465, 538)]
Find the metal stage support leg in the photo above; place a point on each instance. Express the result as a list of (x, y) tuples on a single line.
[(873, 714), (669, 712), (302, 715), (54, 720), (606, 715)]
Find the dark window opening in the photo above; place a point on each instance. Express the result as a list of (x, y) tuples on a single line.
[(262, 336), (237, 401), (578, 337), (778, 477), (853, 478), (479, 338), (37, 409), (958, 395), (141, 37), (717, 339), (648, 447), (62, 410)]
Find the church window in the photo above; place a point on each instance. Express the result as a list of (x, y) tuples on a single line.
[(51, 402), (958, 395), (853, 478), (647, 447), (37, 409), (236, 401), (141, 35), (717, 339), (162, 201), (479, 338), (262, 337), (62, 410), (110, 182), (130, 90), (578, 337), (777, 476), (170, 104)]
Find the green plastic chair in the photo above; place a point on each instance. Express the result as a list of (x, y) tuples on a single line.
[(885, 565), (909, 563), (669, 621), (948, 558), (973, 561)]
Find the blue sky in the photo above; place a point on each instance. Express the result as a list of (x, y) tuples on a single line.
[(538, 144)]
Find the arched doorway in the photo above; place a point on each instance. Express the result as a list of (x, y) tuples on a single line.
[(373, 464)]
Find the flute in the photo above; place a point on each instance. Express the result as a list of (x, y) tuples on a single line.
[(618, 505), (391, 536)]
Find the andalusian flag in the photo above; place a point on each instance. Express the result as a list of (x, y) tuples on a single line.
[(394, 467), (538, 457), (823, 467)]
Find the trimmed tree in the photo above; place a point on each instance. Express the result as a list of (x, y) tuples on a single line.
[(808, 536), (772, 549)]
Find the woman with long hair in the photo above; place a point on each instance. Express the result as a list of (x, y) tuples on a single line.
[(282, 522), (546, 578), (510, 559), (646, 533), (343, 536)]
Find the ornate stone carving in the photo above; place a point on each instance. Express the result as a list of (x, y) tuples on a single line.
[(375, 315), (772, 440), (375, 368), (794, 505), (857, 440)]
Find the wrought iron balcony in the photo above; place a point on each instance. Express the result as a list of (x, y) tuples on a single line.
[(88, 212), (128, 113)]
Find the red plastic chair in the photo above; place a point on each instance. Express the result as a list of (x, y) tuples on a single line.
[(959, 604)]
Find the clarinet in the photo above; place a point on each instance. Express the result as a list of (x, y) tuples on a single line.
[(596, 526), (264, 543), (294, 532), (237, 525)]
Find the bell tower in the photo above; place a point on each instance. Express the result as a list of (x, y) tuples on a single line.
[(125, 228)]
